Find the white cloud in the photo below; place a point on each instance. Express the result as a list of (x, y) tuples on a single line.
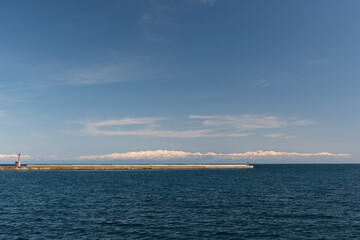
[(12, 156), (146, 127), (126, 121), (238, 135), (303, 122), (203, 117), (2, 113), (169, 155), (244, 122), (193, 127), (274, 135), (279, 135)]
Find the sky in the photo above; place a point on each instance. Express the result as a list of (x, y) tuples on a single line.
[(180, 81)]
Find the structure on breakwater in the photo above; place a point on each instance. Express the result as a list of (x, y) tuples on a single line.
[(123, 167), (18, 163)]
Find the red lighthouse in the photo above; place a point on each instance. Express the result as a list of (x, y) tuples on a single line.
[(18, 164)]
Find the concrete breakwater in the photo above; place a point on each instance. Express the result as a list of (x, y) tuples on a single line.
[(123, 167)]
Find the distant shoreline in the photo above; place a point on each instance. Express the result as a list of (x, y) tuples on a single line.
[(56, 167)]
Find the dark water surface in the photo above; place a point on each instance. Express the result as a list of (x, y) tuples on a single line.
[(268, 202)]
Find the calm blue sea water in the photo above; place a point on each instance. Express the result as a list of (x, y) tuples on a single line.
[(268, 202)]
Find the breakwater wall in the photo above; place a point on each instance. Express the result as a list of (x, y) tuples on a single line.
[(123, 167)]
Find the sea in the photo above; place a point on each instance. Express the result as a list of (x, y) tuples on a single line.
[(268, 202)]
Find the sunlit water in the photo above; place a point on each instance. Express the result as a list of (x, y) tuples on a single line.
[(268, 202)]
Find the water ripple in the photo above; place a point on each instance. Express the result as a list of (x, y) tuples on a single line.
[(268, 202)]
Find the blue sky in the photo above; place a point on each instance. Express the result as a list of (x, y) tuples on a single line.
[(86, 79)]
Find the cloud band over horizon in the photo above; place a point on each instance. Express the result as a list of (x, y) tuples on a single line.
[(172, 155)]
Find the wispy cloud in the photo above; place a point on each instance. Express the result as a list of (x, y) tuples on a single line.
[(12, 156), (157, 22), (244, 122), (93, 76), (194, 126), (208, 1), (248, 122), (262, 83), (238, 134), (274, 135), (169, 155), (37, 135), (303, 122), (2, 113), (122, 71), (106, 69), (147, 126), (279, 135)]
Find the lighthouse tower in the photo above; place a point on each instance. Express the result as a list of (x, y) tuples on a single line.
[(18, 164)]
